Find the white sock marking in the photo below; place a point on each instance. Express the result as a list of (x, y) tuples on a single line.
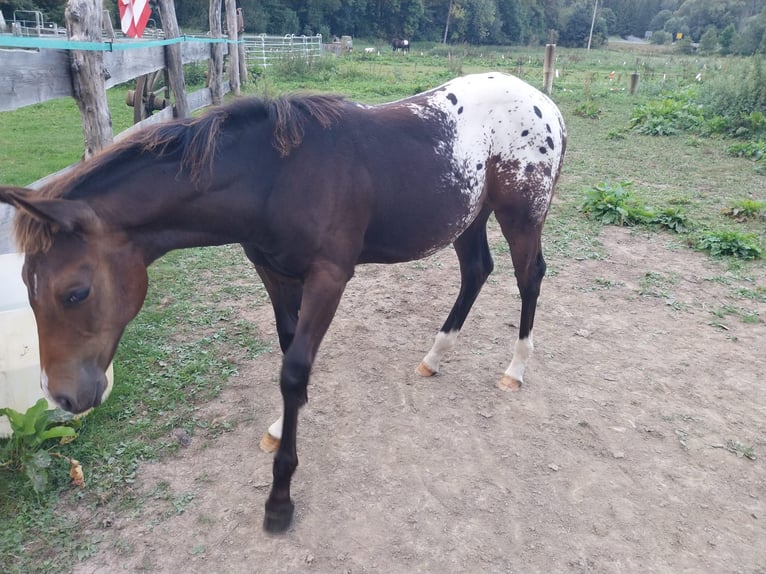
[(521, 353), (275, 429), (443, 343)]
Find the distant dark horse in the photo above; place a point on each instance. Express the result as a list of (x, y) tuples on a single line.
[(310, 186), (400, 44)]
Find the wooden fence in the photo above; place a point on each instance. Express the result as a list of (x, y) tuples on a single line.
[(37, 69)]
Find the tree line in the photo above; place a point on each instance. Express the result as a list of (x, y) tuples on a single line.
[(737, 26)]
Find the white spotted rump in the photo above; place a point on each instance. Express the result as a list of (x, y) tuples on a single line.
[(501, 124)]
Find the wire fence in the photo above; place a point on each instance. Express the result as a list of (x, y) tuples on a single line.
[(265, 50)]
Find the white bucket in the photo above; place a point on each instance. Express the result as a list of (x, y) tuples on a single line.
[(19, 349)]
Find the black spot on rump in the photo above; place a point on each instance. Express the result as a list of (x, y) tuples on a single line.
[(543, 149), (452, 98), (549, 141), (538, 113), (548, 127), (479, 165), (547, 171), (460, 110), (525, 133), (530, 168)]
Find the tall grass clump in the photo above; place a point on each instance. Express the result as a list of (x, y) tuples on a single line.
[(735, 100)]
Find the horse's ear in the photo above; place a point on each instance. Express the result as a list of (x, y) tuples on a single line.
[(69, 215)]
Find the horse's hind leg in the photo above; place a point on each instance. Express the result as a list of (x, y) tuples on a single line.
[(475, 266), (523, 238)]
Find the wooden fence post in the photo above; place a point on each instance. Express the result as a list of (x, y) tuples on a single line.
[(633, 83), (173, 59), (242, 54), (83, 23), (215, 67), (548, 64), (231, 26)]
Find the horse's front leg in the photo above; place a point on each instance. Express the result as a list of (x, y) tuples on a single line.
[(321, 294), (285, 295)]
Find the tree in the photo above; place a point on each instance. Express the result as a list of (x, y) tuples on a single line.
[(575, 32), (726, 39), (709, 40)]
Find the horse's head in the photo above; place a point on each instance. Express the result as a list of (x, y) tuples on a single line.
[(85, 282)]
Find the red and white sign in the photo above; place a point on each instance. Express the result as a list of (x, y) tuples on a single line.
[(134, 14)]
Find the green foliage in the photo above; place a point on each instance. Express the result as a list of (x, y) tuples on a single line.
[(735, 102), (661, 37), (667, 116), (731, 243), (588, 109), (755, 150), (612, 204), (31, 431), (673, 219), (709, 40), (615, 205), (195, 74), (296, 66)]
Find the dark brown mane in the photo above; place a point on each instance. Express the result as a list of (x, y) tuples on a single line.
[(193, 140)]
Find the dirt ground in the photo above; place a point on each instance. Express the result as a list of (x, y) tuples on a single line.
[(626, 451)]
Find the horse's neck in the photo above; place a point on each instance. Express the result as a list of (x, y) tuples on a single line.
[(161, 213)]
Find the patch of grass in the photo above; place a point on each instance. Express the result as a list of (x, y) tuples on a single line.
[(736, 447), (588, 109), (655, 284)]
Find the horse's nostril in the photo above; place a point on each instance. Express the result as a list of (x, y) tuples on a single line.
[(64, 403)]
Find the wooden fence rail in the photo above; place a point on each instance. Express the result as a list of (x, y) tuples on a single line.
[(31, 76)]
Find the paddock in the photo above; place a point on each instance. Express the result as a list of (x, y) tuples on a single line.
[(617, 456)]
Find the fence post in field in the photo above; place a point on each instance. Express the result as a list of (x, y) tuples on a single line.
[(231, 27), (83, 24), (633, 83), (548, 64), (173, 59), (215, 67)]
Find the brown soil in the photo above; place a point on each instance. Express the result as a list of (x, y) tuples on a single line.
[(624, 452)]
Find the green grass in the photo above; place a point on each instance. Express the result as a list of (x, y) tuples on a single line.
[(186, 343)]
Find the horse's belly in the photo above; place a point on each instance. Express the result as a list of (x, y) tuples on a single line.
[(415, 229)]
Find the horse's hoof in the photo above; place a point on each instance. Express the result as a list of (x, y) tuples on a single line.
[(509, 384), (269, 443), (278, 517), (424, 371)]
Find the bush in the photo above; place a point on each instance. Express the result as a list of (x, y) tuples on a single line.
[(661, 37), (667, 116)]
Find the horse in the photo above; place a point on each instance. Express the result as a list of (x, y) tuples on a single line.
[(400, 44), (310, 185)]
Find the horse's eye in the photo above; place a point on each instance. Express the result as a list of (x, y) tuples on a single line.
[(77, 296)]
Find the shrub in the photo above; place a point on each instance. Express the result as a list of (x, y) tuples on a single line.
[(667, 116)]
